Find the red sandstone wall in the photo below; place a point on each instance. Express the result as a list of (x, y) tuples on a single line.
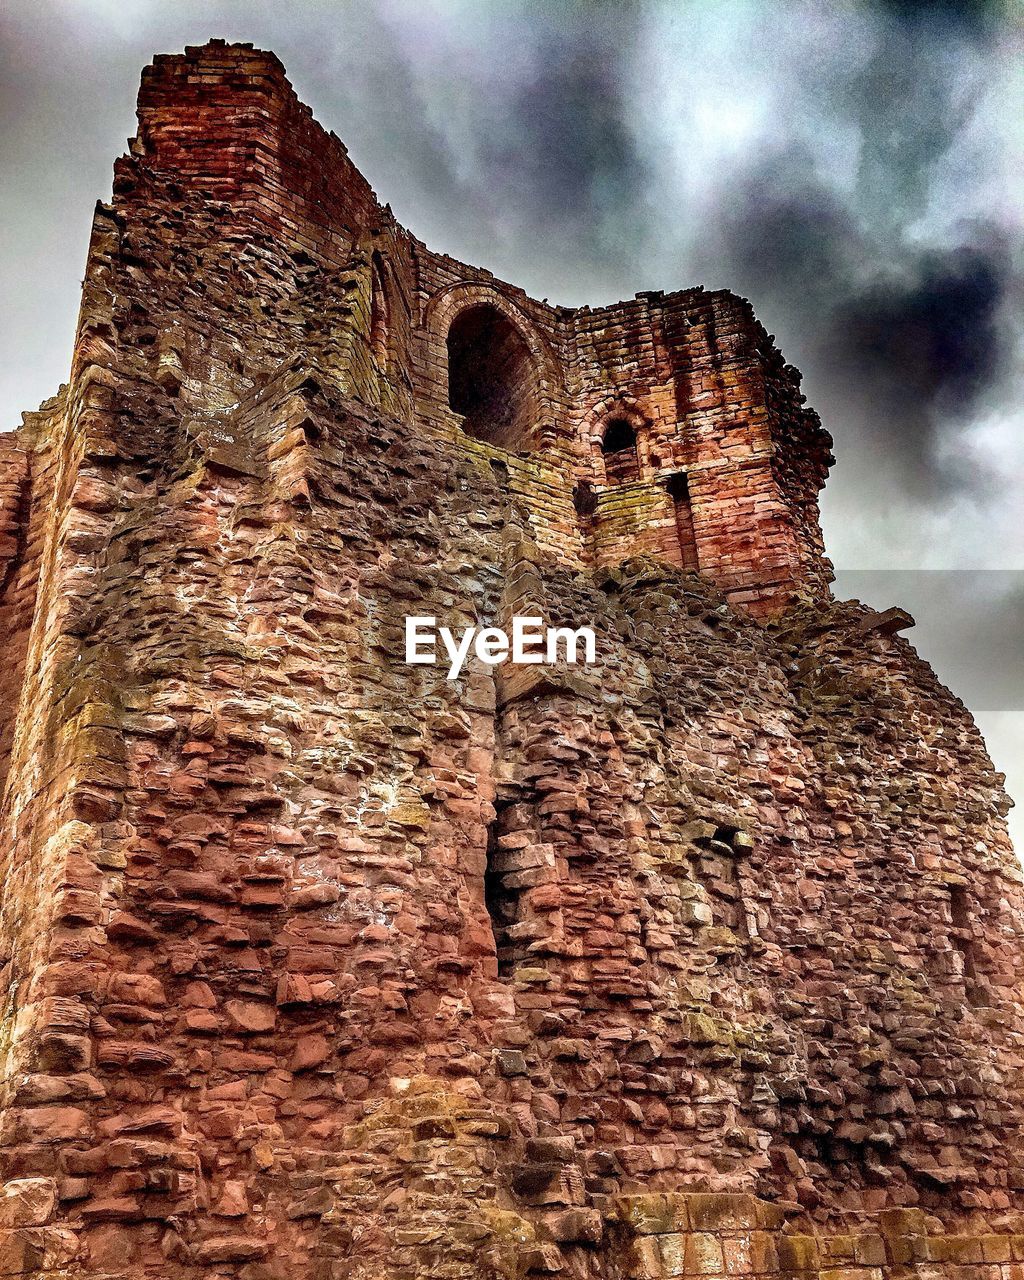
[(687, 369), (754, 917), (17, 583), (223, 119), (710, 397)]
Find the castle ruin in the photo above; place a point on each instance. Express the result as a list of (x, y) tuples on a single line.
[(701, 961)]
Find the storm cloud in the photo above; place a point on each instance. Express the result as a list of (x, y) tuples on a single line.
[(921, 348), (854, 169)]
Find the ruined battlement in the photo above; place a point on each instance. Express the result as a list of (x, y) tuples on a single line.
[(672, 414), (699, 960)]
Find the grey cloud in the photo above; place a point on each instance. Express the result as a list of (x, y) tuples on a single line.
[(905, 332), (921, 347), (563, 144), (912, 341), (910, 101), (783, 234), (978, 17)]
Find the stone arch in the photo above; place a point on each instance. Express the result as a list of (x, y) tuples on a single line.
[(507, 335), (492, 379), (620, 421)]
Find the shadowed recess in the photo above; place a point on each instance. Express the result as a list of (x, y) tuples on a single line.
[(491, 379)]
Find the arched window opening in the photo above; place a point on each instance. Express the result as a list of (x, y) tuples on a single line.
[(491, 378), (679, 491), (618, 445), (380, 312)]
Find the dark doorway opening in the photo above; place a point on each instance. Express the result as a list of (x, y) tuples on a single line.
[(491, 378)]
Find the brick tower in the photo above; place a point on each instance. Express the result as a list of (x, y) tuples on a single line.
[(698, 961)]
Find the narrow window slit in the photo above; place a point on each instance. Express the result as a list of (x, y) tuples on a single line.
[(380, 316), (679, 491), (963, 938), (501, 897)]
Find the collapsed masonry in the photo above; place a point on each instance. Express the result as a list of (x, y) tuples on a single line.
[(698, 962)]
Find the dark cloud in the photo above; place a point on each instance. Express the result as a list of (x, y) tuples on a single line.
[(914, 343), (979, 17), (921, 347), (548, 144), (908, 337), (781, 234), (563, 144)]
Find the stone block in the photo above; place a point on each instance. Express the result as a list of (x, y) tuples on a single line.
[(27, 1202)]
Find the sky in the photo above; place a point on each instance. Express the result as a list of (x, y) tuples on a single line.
[(854, 167)]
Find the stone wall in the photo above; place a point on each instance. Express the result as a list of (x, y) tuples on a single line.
[(709, 394), (700, 961)]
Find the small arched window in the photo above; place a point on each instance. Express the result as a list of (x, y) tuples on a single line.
[(380, 311), (618, 445)]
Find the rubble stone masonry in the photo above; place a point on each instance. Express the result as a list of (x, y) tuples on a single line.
[(701, 961)]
